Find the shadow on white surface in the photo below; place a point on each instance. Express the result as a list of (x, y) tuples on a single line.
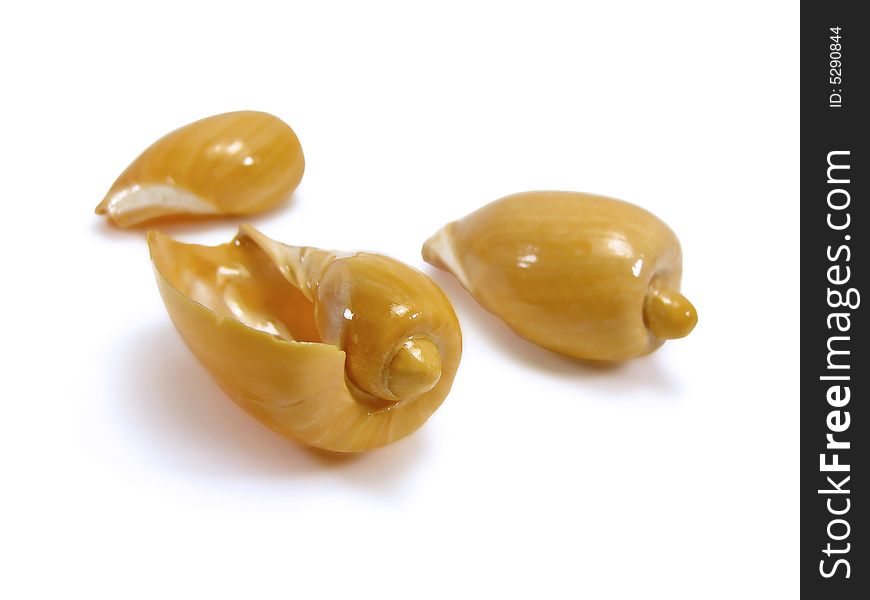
[(185, 423), (648, 373)]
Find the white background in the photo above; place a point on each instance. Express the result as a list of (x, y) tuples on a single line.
[(126, 473)]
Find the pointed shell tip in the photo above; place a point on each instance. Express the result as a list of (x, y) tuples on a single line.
[(669, 315)]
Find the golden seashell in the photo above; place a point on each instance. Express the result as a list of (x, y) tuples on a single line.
[(345, 352), (236, 163), (584, 275)]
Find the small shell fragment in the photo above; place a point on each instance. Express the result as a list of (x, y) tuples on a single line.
[(344, 352), (584, 275), (236, 163)]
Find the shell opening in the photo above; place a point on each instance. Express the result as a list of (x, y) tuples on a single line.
[(236, 281), (140, 203), (668, 314), (415, 369)]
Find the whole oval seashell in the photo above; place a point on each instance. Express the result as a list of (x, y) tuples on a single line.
[(344, 352), (236, 163), (584, 275)]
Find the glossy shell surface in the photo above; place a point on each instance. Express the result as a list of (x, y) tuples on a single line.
[(237, 163), (584, 275)]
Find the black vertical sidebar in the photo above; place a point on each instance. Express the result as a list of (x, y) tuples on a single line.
[(834, 369)]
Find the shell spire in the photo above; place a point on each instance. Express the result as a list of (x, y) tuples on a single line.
[(415, 369), (668, 314)]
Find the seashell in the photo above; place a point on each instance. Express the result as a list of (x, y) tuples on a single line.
[(344, 352), (584, 275), (236, 163)]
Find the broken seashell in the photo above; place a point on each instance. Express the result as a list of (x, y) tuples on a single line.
[(344, 352)]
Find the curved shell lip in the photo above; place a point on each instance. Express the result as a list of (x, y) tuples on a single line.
[(176, 205), (155, 237)]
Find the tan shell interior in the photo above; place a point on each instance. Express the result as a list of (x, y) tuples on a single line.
[(239, 281)]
